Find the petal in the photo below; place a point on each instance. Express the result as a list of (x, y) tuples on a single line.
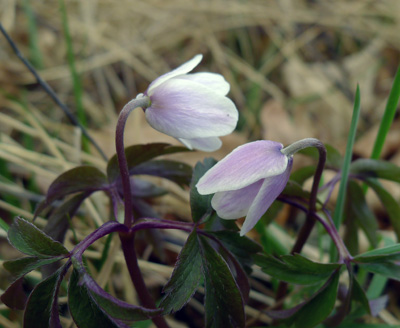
[(269, 191), (183, 69), (231, 205), (203, 144), (215, 82), (186, 109), (245, 165)]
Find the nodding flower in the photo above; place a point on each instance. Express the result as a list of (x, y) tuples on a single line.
[(191, 107), (247, 181)]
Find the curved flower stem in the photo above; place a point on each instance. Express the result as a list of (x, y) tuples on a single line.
[(128, 239), (140, 101), (306, 229)]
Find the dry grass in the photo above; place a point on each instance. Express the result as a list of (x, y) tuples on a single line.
[(292, 65)]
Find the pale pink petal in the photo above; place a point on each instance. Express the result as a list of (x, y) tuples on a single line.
[(231, 205), (269, 191), (245, 165), (183, 69), (213, 81), (186, 109), (203, 144)]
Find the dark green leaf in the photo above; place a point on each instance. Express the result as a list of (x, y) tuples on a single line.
[(223, 300), (84, 310), (301, 175), (114, 307), (30, 240), (373, 168), (185, 278), (295, 269), (391, 205), (178, 172), (359, 295), (143, 189), (42, 307), (388, 253), (200, 204), (81, 178), (387, 269), (58, 222), (138, 154), (293, 189), (359, 211), (22, 266), (14, 296), (319, 307), (313, 311), (333, 157), (242, 247)]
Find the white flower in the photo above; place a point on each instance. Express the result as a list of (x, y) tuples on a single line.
[(247, 181), (191, 107)]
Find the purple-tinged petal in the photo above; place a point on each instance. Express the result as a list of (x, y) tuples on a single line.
[(204, 144), (231, 205), (183, 69), (245, 165), (213, 81), (186, 109), (269, 191)]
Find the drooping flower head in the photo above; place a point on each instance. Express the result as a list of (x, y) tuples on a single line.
[(191, 107), (247, 181)]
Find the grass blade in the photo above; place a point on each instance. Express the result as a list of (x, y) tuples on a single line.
[(338, 213), (388, 116)]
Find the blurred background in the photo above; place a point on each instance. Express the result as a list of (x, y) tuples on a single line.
[(293, 66)]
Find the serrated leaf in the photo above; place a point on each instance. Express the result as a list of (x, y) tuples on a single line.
[(114, 307), (295, 269), (387, 253), (223, 302), (359, 211), (200, 204), (373, 168), (22, 266), (313, 311), (389, 203), (177, 172), (30, 240), (42, 307), (185, 278), (84, 310), (138, 154)]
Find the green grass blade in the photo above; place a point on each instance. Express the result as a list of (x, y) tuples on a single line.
[(338, 213), (76, 80), (4, 225), (35, 54), (388, 116)]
